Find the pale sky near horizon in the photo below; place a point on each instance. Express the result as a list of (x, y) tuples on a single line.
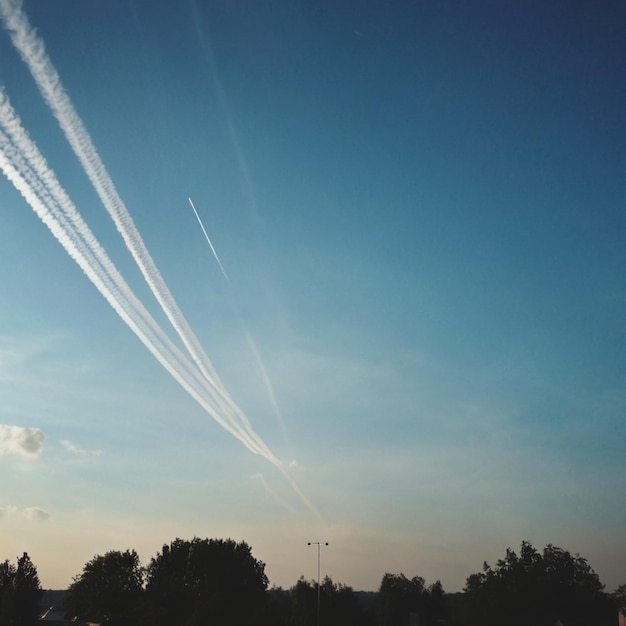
[(418, 208)]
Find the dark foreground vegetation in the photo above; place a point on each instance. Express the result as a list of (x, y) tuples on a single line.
[(207, 582)]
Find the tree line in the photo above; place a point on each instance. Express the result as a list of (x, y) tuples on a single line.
[(202, 582)]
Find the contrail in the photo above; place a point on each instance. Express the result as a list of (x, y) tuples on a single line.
[(261, 479), (32, 50), (31, 164), (208, 239), (205, 45), (39, 186), (73, 233), (250, 341), (268, 382)]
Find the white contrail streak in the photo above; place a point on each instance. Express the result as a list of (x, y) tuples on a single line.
[(250, 341), (68, 228), (32, 51), (208, 239), (32, 166)]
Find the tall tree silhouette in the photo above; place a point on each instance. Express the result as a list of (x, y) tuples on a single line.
[(20, 592), (109, 588), (205, 581), (339, 605), (534, 587)]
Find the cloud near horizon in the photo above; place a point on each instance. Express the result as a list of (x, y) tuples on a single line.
[(72, 448), (35, 513), (21, 441), (31, 513)]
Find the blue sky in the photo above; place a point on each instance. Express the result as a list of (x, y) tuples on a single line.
[(419, 210)]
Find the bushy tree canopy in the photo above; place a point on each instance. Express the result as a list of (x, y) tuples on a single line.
[(619, 595), (534, 587), (399, 597), (339, 605), (109, 588), (20, 591), (205, 581)]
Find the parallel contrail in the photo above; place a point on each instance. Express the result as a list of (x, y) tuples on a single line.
[(32, 167), (208, 239), (26, 168), (32, 51)]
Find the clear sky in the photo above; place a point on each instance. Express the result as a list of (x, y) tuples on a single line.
[(418, 207)]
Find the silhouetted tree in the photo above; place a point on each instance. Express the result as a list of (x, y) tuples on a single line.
[(619, 595), (278, 608), (434, 606), (109, 589), (205, 581), (339, 605), (20, 591), (304, 602), (537, 588), (342, 605), (399, 596)]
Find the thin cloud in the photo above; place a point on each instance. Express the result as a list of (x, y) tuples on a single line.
[(259, 478), (21, 441), (31, 513), (36, 514), (76, 451)]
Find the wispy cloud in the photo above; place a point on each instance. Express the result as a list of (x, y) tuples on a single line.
[(31, 513), (205, 45), (35, 513), (259, 478), (21, 441), (76, 451), (5, 511)]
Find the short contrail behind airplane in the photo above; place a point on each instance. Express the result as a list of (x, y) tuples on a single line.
[(208, 239)]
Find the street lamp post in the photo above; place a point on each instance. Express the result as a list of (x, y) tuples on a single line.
[(319, 544)]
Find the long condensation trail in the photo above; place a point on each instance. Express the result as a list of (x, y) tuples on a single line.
[(32, 167), (18, 168), (32, 50)]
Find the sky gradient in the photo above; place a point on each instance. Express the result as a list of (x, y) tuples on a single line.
[(411, 285)]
